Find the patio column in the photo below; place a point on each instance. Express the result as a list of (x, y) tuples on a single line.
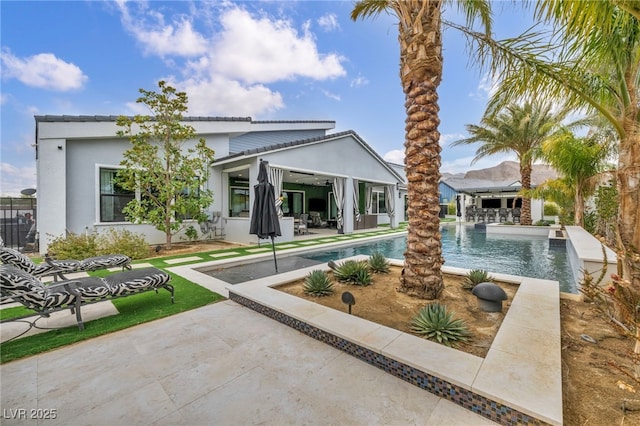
[(347, 212)]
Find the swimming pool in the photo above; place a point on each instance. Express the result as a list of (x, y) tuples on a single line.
[(464, 246)]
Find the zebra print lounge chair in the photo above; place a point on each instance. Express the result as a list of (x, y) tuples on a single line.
[(57, 268), (19, 286)]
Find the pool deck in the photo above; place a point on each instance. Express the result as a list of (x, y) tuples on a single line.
[(519, 382), (201, 370)]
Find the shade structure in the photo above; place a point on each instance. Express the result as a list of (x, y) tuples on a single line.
[(264, 217)]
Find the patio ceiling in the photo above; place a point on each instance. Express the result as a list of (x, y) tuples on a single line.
[(292, 176)]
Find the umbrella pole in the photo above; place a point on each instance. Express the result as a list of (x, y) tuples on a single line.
[(275, 261)]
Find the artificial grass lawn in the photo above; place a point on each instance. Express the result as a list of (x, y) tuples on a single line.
[(134, 309)]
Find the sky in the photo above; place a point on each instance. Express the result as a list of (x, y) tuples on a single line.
[(268, 60)]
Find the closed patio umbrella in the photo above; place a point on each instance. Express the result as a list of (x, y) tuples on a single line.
[(458, 207), (264, 217)]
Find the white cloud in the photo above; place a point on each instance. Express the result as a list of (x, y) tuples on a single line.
[(448, 138), (329, 22), (330, 95), (221, 96), (486, 88), (263, 50), (16, 178), (229, 68), (395, 156), (148, 27), (44, 71), (359, 81)]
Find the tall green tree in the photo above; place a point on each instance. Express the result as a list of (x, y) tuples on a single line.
[(579, 161), (596, 66), (165, 165), (518, 129), (420, 37)]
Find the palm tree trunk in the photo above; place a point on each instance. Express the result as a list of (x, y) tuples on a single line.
[(421, 73), (629, 203), (578, 214), (525, 176)]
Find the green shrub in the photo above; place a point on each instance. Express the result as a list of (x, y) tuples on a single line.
[(551, 209), (590, 220), (73, 246), (434, 323), (452, 209), (318, 284), (351, 271), (81, 246), (378, 263), (123, 241), (541, 223), (191, 234), (475, 277)]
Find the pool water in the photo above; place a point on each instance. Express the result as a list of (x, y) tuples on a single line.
[(464, 246)]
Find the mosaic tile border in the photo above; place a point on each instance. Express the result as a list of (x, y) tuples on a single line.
[(479, 404)]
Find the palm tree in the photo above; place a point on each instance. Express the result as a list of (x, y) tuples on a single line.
[(520, 129), (579, 161), (420, 37), (596, 67)]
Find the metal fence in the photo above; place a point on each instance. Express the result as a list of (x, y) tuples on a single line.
[(18, 223)]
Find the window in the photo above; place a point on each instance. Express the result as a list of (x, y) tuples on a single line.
[(239, 202), (377, 202), (293, 203), (113, 198)]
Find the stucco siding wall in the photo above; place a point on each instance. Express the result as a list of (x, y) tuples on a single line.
[(51, 184), (342, 157), (84, 159)]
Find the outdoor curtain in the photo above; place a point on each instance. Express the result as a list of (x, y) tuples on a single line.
[(275, 178), (338, 195), (356, 199), (369, 199), (389, 201)]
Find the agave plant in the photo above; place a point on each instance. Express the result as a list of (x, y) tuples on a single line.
[(475, 277), (362, 277), (349, 271), (434, 322), (378, 263), (318, 284)]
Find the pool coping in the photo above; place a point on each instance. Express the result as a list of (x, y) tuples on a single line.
[(528, 342)]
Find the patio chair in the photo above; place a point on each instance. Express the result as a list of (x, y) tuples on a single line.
[(516, 215), (57, 268), (316, 220), (470, 213), (19, 286), (503, 215), (491, 215), (481, 215), (301, 226)]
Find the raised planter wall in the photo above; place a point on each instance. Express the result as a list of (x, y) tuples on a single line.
[(586, 254), (495, 228)]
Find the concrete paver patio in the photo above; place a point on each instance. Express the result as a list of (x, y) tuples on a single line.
[(221, 364)]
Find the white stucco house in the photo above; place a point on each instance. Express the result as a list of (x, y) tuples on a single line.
[(77, 158)]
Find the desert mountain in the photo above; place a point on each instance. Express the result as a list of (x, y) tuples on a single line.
[(510, 171)]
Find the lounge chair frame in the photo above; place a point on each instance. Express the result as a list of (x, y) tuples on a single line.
[(57, 268), (75, 293)]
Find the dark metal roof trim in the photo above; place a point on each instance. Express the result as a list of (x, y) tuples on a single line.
[(99, 118)]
